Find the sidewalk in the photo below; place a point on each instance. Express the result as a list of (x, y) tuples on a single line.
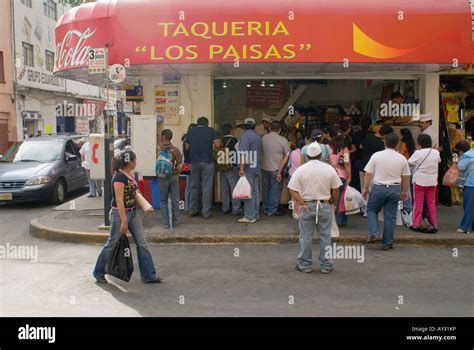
[(78, 221)]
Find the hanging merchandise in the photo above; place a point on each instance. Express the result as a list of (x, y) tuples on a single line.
[(452, 110)]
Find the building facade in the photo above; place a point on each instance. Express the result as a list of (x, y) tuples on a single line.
[(45, 103), (8, 126)]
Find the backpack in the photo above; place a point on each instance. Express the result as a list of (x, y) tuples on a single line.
[(164, 164), (226, 166)]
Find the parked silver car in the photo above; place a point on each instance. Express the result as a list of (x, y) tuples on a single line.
[(42, 168)]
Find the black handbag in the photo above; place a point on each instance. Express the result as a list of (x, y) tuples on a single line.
[(120, 262)]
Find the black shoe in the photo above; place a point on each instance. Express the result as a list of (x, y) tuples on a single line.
[(277, 213), (431, 230), (416, 229), (100, 279), (100, 194), (227, 211), (89, 196), (156, 280), (372, 239), (387, 247), (193, 214)]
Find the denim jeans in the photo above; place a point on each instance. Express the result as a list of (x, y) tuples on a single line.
[(467, 223), (228, 181), (307, 223), (252, 205), (341, 218), (202, 179), (386, 197), (271, 191), (169, 188), (94, 186), (135, 226)]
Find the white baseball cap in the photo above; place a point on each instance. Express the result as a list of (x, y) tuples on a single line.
[(249, 121), (426, 117), (314, 150)]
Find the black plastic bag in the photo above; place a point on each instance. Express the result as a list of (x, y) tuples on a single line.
[(120, 262)]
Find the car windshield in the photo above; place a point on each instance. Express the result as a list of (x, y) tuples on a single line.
[(34, 151)]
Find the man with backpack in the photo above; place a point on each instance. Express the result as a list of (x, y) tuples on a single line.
[(226, 165), (168, 166)]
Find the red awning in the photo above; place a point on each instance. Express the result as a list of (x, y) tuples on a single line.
[(201, 31)]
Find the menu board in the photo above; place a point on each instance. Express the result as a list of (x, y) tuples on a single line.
[(167, 103), (266, 96)]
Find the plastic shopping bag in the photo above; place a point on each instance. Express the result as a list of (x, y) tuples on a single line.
[(334, 227), (120, 262), (242, 190), (353, 201)]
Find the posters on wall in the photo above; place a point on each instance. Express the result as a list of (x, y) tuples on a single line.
[(167, 103), (266, 96)]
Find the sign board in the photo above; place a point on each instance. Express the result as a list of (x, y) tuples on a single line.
[(97, 162), (266, 96), (144, 130), (117, 73), (97, 61), (82, 125), (134, 93), (167, 103)]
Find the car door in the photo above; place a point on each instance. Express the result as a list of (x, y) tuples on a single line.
[(73, 167), (81, 176)]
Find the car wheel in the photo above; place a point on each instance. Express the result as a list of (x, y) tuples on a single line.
[(59, 193)]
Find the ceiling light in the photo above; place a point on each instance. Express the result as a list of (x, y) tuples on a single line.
[(263, 83)]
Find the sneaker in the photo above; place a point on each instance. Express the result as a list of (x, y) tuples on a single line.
[(244, 220), (304, 269), (156, 280), (372, 239), (459, 230), (387, 247), (326, 270), (100, 279)]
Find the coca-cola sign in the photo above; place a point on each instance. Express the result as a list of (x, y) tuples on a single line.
[(73, 50)]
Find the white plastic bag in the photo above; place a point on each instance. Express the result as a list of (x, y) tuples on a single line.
[(242, 190), (353, 201), (334, 227)]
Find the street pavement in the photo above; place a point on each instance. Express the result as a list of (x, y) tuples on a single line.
[(218, 280)]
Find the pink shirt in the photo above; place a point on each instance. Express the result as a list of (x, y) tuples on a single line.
[(334, 160), (295, 161)]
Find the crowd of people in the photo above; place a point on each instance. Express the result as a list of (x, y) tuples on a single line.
[(390, 172)]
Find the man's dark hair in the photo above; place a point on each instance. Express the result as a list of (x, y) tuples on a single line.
[(275, 125), (318, 157), (203, 121), (168, 134), (391, 140), (300, 143), (365, 123), (463, 146), (396, 94), (424, 141), (227, 129), (385, 130)]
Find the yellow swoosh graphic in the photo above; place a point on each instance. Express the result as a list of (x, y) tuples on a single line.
[(367, 46)]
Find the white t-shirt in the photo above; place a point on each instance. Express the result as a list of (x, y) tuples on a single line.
[(431, 131), (86, 152), (424, 164), (314, 181), (388, 167)]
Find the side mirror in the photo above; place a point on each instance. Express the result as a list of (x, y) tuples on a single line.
[(71, 157)]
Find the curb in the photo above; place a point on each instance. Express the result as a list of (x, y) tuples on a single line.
[(41, 231)]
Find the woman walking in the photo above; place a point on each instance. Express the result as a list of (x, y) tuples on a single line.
[(424, 163), (124, 216), (340, 159), (466, 164)]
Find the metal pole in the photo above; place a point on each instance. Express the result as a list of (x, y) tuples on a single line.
[(107, 144)]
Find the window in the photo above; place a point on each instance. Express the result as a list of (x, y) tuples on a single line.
[(50, 9), (2, 72), (26, 2), (28, 58), (49, 60)]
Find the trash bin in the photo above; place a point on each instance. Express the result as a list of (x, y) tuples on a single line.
[(155, 194)]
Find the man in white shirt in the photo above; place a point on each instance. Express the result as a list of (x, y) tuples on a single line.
[(314, 186), (275, 149), (390, 174), (426, 128), (94, 186)]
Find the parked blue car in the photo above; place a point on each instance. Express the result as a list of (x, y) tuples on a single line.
[(42, 168)]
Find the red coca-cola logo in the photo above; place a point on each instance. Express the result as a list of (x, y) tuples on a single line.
[(73, 50)]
